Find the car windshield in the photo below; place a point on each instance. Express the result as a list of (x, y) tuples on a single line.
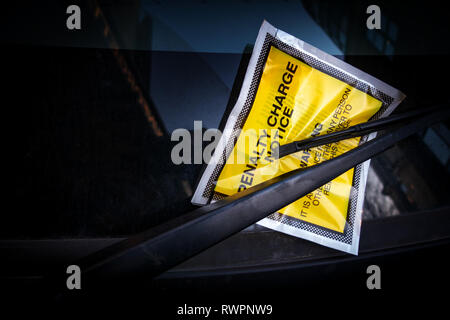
[(91, 113)]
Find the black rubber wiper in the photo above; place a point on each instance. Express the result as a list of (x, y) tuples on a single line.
[(351, 132), (152, 252)]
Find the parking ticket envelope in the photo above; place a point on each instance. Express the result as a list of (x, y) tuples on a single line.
[(293, 91)]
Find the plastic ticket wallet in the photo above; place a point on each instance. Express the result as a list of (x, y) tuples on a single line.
[(293, 91)]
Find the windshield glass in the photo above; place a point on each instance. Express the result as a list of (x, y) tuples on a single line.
[(90, 113)]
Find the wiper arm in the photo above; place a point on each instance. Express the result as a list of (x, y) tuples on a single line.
[(152, 252), (351, 132)]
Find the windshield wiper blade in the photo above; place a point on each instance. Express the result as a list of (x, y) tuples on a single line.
[(152, 252), (351, 132)]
